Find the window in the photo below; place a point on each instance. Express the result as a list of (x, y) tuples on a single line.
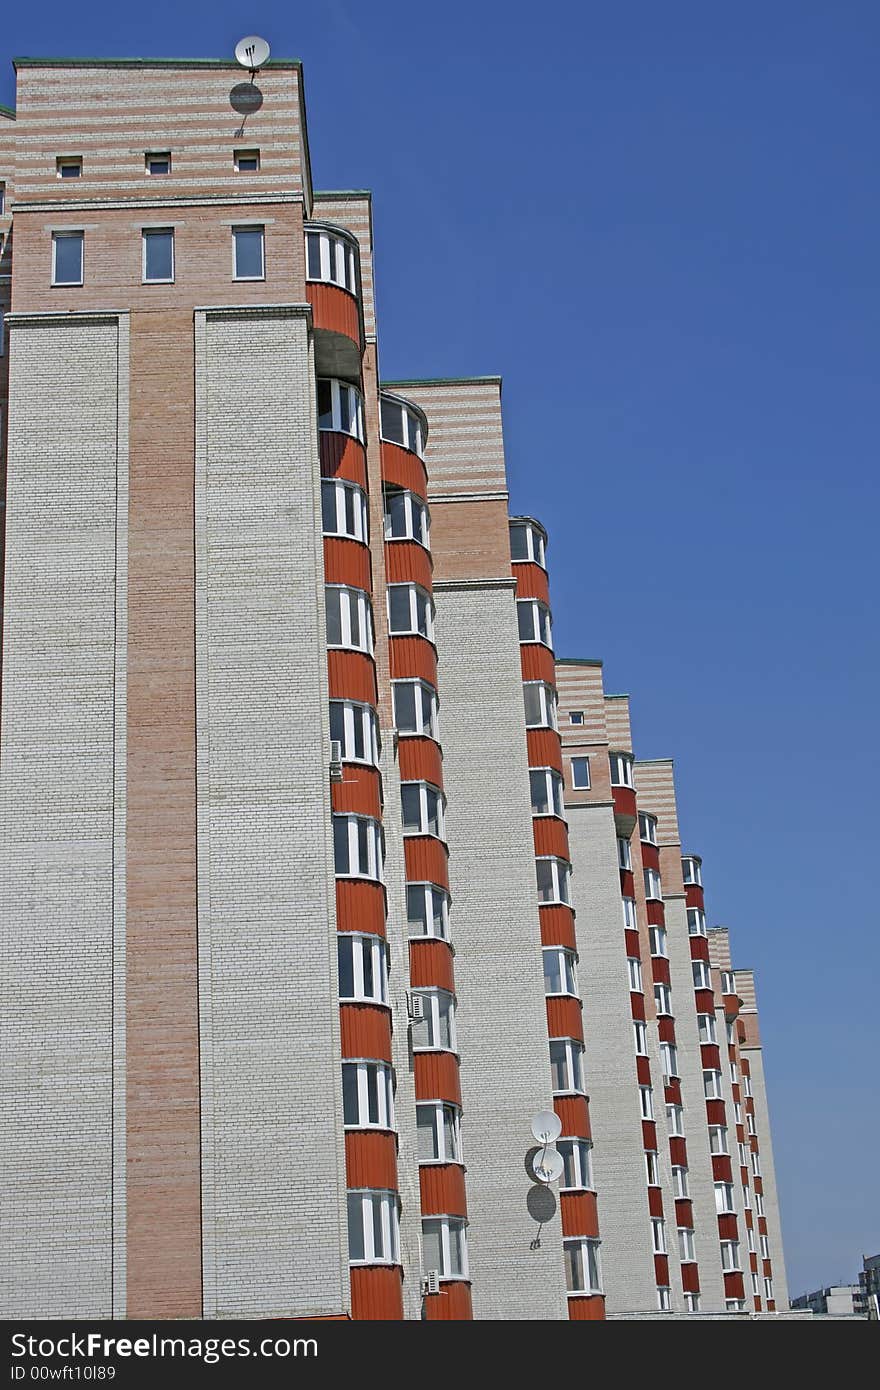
[(363, 968), (737, 1110), (634, 967), (340, 408), (624, 853), (554, 880), (560, 976), (675, 1120), (422, 808), (427, 910), (158, 164), (712, 1085), (580, 773), (759, 1203), (546, 786), (577, 1156), (415, 708), (621, 769), (664, 1298), (765, 1247), (658, 939), (67, 258), (402, 425), (750, 1237), (582, 1273), (756, 1286), (696, 921), (357, 847), (691, 868), (349, 618), (344, 510), (662, 998), (658, 1236), (729, 1256), (406, 517), (640, 1035), (567, 1065), (2, 197), (248, 253), (630, 919), (686, 1244), (768, 1290), (706, 1028), (158, 256), (439, 1132), (652, 1172), (756, 1163), (718, 1139), (735, 1305), (246, 161), (747, 1199), (69, 167), (646, 1102), (692, 1302), (410, 611), (652, 884), (728, 982), (373, 1231), (701, 974), (527, 543), (669, 1059), (444, 1247), (368, 1095), (533, 618), (724, 1198), (734, 1075), (540, 705), (647, 828), (576, 716), (435, 1030), (750, 1122), (356, 727), (747, 1084), (743, 1156), (680, 1182), (331, 258)]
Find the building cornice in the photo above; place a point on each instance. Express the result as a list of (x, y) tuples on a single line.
[(182, 201)]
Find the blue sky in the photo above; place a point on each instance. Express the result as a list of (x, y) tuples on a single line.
[(660, 224)]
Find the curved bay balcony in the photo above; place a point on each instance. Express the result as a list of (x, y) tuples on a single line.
[(333, 290)]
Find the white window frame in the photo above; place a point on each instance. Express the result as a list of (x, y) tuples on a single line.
[(73, 162), (634, 970), (712, 1084), (534, 615), (351, 600), (388, 1204), (756, 1163), (646, 1102), (691, 1302), (572, 1051), (680, 1188), (417, 600), (360, 726), (759, 1203), (340, 489), (686, 1251), (429, 891), (663, 999), (728, 982), (669, 1059), (566, 969), (724, 1203), (432, 806), (535, 546), (718, 1139), (553, 788), (337, 258), (652, 1168), (436, 1112), (340, 390), (435, 1002), (658, 1236), (413, 430), (547, 701), (675, 1121), (360, 945), (768, 1290), (621, 765), (156, 157), (242, 157), (647, 828), (583, 1270), (372, 868), (424, 728), (653, 886), (577, 1154), (560, 884), (576, 717), (249, 228), (624, 853), (730, 1257), (581, 779), (374, 1079), (693, 874), (146, 233), (416, 515), (664, 1298), (630, 915), (701, 973), (445, 1226), (706, 1029), (658, 938), (65, 235), (696, 920), (640, 1037)]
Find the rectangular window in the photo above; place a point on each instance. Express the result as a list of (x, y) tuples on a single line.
[(582, 1266), (729, 1256), (363, 968), (658, 1236), (686, 1250), (630, 919), (640, 1035), (559, 971), (247, 161), (567, 1065), (249, 260), (652, 884), (67, 258), (652, 1172), (634, 967), (658, 940), (158, 164), (663, 999), (718, 1139), (675, 1119), (444, 1248), (706, 1028), (712, 1085), (724, 1198), (624, 854), (701, 974), (580, 773), (427, 910), (435, 1030), (647, 828), (367, 1095), (669, 1059), (664, 1298), (69, 167), (373, 1230), (680, 1182), (438, 1125), (646, 1101), (158, 261), (576, 716), (576, 1155), (545, 785)]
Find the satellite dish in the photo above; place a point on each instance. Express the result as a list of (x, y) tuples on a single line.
[(546, 1126), (547, 1166), (252, 52)]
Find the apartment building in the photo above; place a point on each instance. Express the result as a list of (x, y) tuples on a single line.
[(320, 877)]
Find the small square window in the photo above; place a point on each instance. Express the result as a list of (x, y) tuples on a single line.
[(576, 716), (247, 161), (580, 773), (67, 258), (158, 255), (248, 253), (69, 167), (158, 164)]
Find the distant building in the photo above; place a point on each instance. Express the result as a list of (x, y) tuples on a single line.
[(838, 1300), (869, 1287)]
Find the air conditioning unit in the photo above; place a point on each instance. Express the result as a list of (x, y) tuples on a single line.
[(335, 760), (431, 1282), (415, 1006)]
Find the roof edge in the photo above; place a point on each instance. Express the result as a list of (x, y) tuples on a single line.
[(8, 111), (446, 381), (229, 63), (579, 661)]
